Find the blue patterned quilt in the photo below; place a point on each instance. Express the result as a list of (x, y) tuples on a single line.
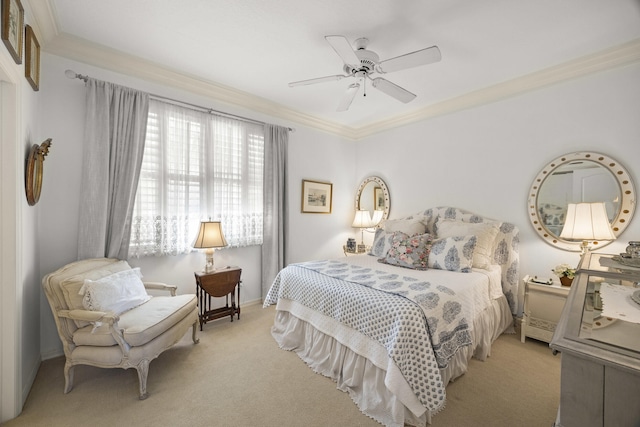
[(419, 323)]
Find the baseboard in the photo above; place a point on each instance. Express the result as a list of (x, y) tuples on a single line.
[(26, 387)]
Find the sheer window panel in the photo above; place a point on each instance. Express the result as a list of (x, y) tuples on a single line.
[(197, 166)]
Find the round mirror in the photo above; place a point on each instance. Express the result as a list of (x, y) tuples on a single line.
[(577, 178), (373, 195)]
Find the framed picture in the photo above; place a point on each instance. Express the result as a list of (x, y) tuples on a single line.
[(316, 197), (32, 58), (378, 199), (12, 24)]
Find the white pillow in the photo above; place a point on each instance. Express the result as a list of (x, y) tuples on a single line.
[(486, 232), (453, 253), (410, 227), (118, 292), (71, 286)]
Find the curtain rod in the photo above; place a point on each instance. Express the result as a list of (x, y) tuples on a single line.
[(73, 75)]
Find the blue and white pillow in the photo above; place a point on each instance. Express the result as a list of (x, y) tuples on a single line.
[(381, 243), (453, 253)]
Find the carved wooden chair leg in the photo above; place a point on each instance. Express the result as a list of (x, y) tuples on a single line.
[(194, 333), (68, 377), (143, 371)]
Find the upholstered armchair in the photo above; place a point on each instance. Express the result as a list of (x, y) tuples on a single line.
[(105, 317)]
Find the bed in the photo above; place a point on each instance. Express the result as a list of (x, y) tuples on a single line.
[(393, 327)]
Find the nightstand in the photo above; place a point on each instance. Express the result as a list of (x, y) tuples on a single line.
[(543, 306), (219, 283)]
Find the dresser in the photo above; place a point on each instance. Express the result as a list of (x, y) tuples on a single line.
[(600, 349)]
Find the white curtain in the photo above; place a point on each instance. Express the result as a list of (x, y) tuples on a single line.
[(115, 129), (276, 140), (197, 166)]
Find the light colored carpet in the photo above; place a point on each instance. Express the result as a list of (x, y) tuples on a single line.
[(237, 376)]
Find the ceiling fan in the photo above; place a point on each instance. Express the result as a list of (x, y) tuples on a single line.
[(362, 63)]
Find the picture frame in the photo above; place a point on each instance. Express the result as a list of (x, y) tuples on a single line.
[(32, 58), (12, 27), (317, 197), (378, 199)]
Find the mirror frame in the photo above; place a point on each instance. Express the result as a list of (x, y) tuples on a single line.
[(385, 191), (622, 177)]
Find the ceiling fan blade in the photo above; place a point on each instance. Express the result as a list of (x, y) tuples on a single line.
[(318, 80), (344, 50), (410, 60), (392, 90), (347, 99)]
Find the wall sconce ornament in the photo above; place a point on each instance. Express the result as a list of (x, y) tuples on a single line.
[(33, 171)]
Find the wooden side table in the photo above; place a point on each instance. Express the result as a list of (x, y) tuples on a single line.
[(219, 283)]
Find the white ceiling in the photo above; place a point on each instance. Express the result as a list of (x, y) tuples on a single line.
[(257, 47)]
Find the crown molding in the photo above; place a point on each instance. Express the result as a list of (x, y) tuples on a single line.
[(617, 56), (82, 50)]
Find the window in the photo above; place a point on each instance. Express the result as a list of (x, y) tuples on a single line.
[(197, 166)]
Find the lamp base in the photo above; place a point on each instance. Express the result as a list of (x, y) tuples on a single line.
[(209, 266)]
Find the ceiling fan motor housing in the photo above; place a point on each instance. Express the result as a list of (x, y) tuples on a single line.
[(368, 60)]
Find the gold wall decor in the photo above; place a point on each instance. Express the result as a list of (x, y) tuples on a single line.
[(33, 171)]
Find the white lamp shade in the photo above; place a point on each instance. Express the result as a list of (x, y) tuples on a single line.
[(362, 219), (210, 236), (587, 221)]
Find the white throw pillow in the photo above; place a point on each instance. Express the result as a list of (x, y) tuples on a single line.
[(486, 232), (118, 292), (410, 227), (71, 286)]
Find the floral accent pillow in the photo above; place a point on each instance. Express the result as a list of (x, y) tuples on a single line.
[(410, 252), (453, 253)]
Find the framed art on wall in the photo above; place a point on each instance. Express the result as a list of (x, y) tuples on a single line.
[(12, 24), (316, 197), (32, 58)]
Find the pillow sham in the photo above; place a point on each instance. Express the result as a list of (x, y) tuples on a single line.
[(486, 233), (118, 292), (409, 251), (410, 227), (453, 253), (381, 243)]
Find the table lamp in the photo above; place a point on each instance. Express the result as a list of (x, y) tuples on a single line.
[(587, 222), (362, 220), (209, 237)]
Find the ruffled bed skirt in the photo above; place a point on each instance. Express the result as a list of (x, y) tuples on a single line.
[(360, 366)]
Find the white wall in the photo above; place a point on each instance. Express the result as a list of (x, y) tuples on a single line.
[(485, 159)]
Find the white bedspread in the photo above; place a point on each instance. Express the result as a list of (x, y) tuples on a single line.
[(397, 324)]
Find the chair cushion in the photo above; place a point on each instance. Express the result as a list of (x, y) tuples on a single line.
[(141, 324)]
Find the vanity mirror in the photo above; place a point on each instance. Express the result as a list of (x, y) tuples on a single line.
[(575, 178), (373, 195)]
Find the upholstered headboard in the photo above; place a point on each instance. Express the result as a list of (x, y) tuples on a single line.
[(505, 252)]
